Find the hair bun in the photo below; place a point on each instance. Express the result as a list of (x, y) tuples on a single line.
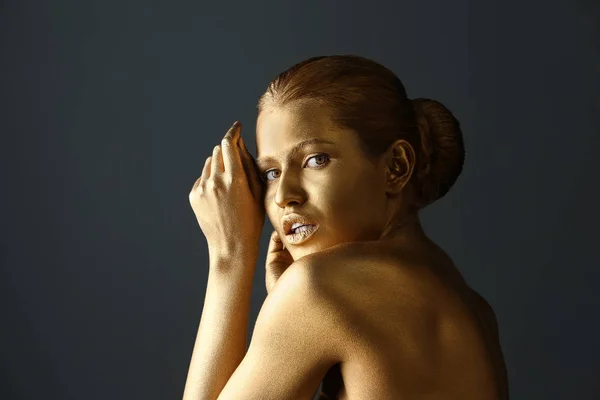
[(442, 147)]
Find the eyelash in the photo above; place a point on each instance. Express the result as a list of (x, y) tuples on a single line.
[(264, 174)]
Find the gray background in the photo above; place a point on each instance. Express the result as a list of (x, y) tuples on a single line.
[(109, 109)]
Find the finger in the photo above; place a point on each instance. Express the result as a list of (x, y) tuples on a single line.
[(234, 132), (246, 164), (252, 171), (275, 243), (205, 171), (217, 162), (231, 155)]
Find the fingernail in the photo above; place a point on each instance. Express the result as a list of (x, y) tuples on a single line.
[(235, 124)]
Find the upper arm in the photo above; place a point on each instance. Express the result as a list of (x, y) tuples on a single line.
[(294, 343)]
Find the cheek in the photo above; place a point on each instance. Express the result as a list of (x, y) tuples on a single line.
[(351, 203)]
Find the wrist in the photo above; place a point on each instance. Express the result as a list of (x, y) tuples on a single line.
[(227, 260)]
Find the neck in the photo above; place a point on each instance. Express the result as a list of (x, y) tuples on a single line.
[(406, 234), (404, 228)]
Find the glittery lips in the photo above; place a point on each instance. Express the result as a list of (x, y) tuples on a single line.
[(302, 233)]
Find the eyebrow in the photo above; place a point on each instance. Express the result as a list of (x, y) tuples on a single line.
[(296, 149)]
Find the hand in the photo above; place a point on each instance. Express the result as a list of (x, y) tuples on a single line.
[(278, 260), (228, 198)]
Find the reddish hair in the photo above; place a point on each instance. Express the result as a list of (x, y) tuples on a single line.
[(369, 99)]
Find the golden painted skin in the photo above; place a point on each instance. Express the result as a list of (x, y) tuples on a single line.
[(416, 329), (368, 304)]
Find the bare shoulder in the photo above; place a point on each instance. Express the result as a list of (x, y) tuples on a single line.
[(390, 294), (371, 289), (372, 267), (409, 316), (422, 289)]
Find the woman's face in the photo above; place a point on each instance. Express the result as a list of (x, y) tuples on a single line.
[(332, 184)]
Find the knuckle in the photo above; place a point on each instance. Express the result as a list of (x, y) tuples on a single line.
[(211, 185), (214, 185)]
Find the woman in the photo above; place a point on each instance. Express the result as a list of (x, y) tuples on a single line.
[(358, 296)]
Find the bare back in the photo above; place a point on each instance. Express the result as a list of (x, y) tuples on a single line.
[(416, 330)]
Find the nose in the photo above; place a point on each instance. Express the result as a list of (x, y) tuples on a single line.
[(289, 190)]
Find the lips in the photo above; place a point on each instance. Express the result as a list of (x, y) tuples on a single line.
[(291, 219), (301, 236)]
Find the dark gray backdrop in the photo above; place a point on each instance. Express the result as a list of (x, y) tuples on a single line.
[(109, 109)]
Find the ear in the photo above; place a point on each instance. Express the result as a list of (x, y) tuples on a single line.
[(399, 163)]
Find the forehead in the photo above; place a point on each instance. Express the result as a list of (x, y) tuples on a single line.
[(279, 128)]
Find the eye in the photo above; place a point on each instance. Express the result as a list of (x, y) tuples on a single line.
[(319, 156), (323, 157), (265, 174)]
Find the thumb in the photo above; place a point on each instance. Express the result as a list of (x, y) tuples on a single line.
[(278, 257), (278, 260), (275, 244)]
